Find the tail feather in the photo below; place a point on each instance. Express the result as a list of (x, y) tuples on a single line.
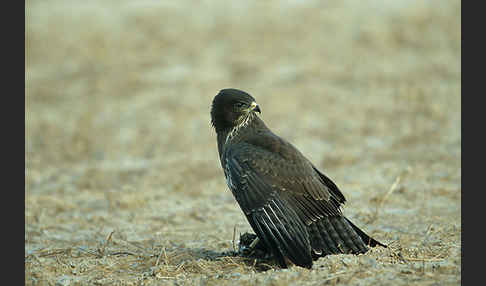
[(327, 235), (318, 243), (335, 235), (329, 224), (366, 238), (323, 231), (348, 235)]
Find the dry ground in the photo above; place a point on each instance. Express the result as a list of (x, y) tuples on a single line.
[(123, 183)]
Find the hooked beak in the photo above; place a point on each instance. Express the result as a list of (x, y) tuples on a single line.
[(254, 107)]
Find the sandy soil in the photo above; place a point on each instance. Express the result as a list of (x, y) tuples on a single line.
[(123, 183)]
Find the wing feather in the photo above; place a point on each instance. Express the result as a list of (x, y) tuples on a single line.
[(272, 218)]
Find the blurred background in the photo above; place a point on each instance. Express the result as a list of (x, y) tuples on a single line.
[(118, 133)]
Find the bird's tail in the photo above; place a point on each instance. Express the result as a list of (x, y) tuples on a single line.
[(366, 238), (334, 235)]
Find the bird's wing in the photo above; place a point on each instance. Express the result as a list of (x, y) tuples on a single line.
[(281, 165), (273, 220), (281, 193)]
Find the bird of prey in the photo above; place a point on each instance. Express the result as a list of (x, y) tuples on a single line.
[(292, 206)]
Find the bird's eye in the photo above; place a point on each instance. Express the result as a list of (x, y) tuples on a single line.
[(240, 105)]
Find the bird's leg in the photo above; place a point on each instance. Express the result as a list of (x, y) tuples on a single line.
[(249, 244), (252, 246), (254, 243)]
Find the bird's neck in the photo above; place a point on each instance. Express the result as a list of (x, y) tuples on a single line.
[(234, 133)]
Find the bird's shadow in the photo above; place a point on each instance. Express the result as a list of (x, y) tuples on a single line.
[(256, 257)]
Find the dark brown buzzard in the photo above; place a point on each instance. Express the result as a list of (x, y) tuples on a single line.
[(292, 207)]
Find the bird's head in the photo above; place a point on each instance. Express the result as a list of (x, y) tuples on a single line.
[(232, 107)]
